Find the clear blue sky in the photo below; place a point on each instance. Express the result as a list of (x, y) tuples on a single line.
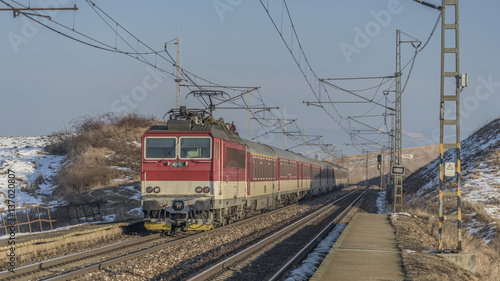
[(48, 80)]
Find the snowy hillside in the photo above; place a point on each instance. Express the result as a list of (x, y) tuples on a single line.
[(32, 166), (480, 170), (34, 170), (480, 175)]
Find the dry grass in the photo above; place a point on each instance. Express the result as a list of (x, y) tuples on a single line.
[(98, 148), (488, 255), (496, 158)]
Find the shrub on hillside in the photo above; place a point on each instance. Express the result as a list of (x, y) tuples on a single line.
[(101, 149)]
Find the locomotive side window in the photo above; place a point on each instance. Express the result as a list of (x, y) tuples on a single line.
[(234, 158), (198, 148), (160, 148)]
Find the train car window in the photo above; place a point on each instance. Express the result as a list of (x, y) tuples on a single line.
[(197, 148), (249, 175), (269, 169), (264, 169), (307, 171), (315, 173), (273, 167), (261, 168), (253, 168), (257, 170), (234, 158), (160, 148)]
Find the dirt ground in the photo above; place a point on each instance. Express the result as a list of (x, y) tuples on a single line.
[(417, 237)]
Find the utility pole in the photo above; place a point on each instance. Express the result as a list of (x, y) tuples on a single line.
[(250, 116), (305, 141), (366, 178), (398, 140), (449, 96), (390, 181), (178, 68), (334, 162), (398, 179), (284, 131)]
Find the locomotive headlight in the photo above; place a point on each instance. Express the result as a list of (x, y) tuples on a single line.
[(156, 189), (149, 189), (199, 189), (178, 164), (206, 189)]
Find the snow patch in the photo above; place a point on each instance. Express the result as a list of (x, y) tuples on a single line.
[(396, 215), (314, 259), (382, 203), (34, 169)]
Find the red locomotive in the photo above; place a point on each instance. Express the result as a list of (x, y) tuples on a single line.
[(197, 173)]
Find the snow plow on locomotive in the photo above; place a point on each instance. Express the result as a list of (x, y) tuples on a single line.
[(197, 174)]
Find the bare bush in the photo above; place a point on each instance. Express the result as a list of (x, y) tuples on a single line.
[(103, 148), (86, 170)]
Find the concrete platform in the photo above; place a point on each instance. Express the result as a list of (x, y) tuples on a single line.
[(366, 250)]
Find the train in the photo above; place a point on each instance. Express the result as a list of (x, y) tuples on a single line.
[(197, 173)]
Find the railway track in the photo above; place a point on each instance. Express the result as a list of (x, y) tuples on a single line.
[(226, 268), (62, 264), (75, 265)]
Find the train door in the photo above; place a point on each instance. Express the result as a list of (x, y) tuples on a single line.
[(278, 175), (301, 175), (297, 173), (221, 166), (249, 173)]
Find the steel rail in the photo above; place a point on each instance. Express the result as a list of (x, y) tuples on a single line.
[(24, 271), (221, 266)]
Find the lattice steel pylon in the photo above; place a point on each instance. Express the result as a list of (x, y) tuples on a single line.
[(397, 138), (398, 179), (450, 98)]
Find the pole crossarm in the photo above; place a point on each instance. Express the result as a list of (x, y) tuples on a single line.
[(429, 4), (331, 102), (357, 78), (19, 11), (267, 108)]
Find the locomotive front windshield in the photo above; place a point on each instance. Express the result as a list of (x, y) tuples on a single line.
[(160, 148), (195, 148)]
